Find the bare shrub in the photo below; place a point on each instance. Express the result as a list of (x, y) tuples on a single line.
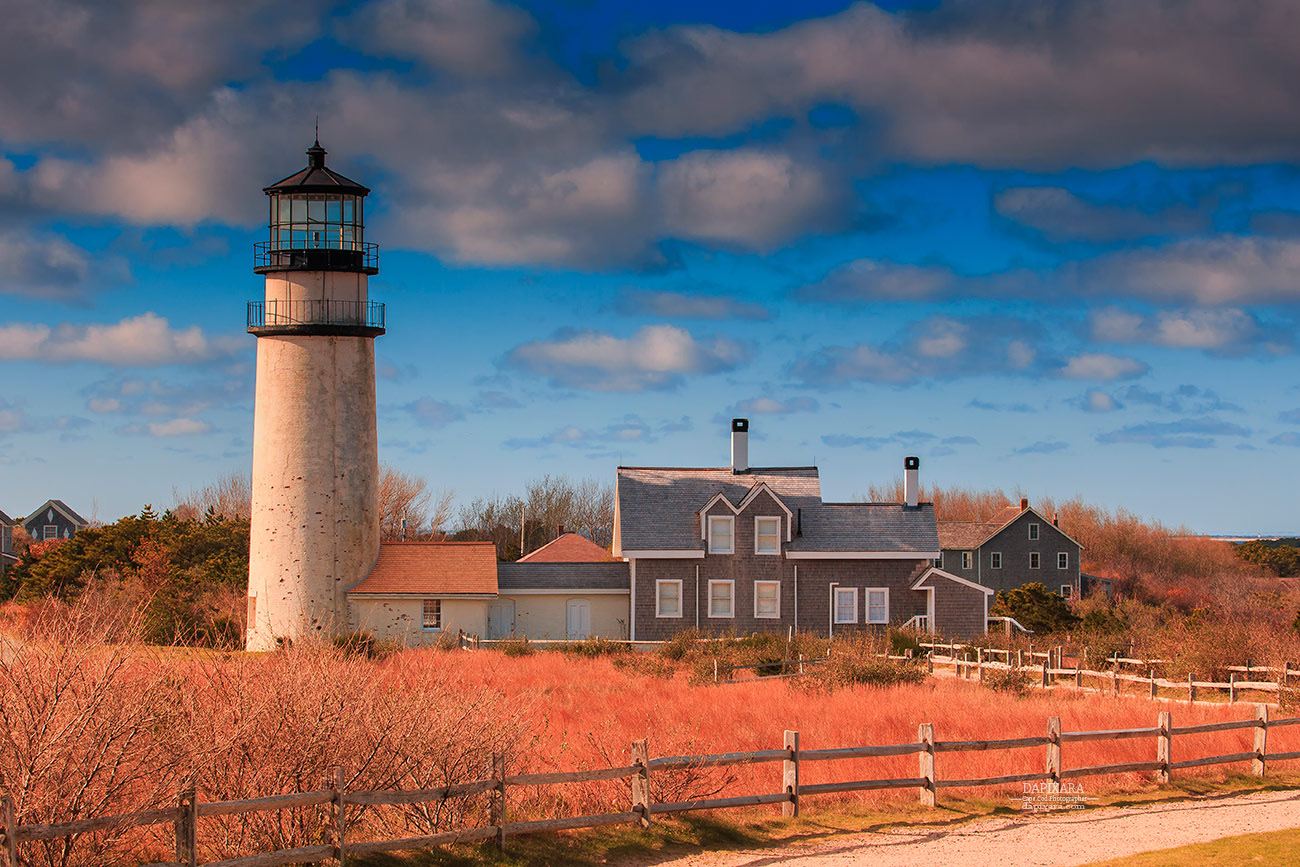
[(229, 497)]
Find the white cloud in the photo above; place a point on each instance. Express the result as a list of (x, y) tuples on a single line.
[(771, 406), (1225, 269), (1226, 330), (146, 339), (1096, 400), (655, 357), (877, 280), (752, 198), (50, 267), (1102, 367), (473, 38), (682, 305), (178, 427)]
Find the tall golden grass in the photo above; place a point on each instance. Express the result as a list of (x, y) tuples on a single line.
[(94, 724)]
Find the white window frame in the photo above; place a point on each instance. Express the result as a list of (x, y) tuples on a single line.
[(731, 598), (835, 605), (995, 559), (49, 531), (1035, 560), (731, 522), (1067, 591), (758, 519), (424, 615), (867, 611), (967, 559), (659, 609), (777, 615), (1033, 531), (1062, 559)]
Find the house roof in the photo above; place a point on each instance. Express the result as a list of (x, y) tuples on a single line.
[(60, 506), (867, 527), (612, 575), (972, 534), (966, 534), (433, 569), (569, 548), (658, 506), (6, 520)]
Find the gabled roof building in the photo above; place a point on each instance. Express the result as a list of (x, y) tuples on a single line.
[(748, 549), (1018, 546)]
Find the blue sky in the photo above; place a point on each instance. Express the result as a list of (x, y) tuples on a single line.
[(1045, 246)]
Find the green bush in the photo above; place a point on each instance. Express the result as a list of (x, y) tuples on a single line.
[(1015, 681), (518, 647), (1036, 608), (364, 644)]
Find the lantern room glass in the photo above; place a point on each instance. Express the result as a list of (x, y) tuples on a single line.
[(316, 221)]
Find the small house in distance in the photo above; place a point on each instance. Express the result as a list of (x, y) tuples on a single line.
[(420, 590), (1017, 546), (570, 588), (53, 520), (7, 557)]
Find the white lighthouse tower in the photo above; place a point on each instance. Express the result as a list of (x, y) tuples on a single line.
[(315, 519)]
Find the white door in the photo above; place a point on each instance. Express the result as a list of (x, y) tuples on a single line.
[(579, 619), (501, 619)]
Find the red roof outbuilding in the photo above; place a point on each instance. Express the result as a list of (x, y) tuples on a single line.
[(569, 548), (433, 569)]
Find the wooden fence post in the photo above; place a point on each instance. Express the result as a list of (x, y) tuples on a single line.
[(715, 666), (1078, 676), (1114, 682), (187, 827), (641, 782), (1054, 754), (790, 775), (1044, 672), (1191, 688), (11, 830), (1261, 740), (1164, 745), (1153, 683), (1232, 687), (979, 661), (498, 802), (926, 736), (340, 846), (1020, 658)]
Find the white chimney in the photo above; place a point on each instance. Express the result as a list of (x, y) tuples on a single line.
[(911, 481), (740, 445)]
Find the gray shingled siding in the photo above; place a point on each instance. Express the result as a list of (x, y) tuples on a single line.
[(562, 576), (1015, 546), (744, 567), (35, 526)]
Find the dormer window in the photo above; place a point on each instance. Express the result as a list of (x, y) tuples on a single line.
[(767, 535), (722, 534)]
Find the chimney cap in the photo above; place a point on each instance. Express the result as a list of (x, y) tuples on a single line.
[(911, 463), (740, 425)]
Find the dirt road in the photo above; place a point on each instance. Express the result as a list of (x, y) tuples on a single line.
[(1029, 840)]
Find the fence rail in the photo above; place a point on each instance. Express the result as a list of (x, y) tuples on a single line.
[(189, 810)]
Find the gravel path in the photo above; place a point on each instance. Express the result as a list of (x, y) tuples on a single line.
[(1029, 839)]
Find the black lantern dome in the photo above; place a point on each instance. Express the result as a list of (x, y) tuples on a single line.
[(317, 222)]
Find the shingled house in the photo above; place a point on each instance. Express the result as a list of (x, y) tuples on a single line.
[(53, 520), (7, 557), (749, 549), (1017, 546)]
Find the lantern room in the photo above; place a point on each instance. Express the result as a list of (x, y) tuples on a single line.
[(316, 223)]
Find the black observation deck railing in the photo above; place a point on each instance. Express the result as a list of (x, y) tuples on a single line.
[(360, 318), (355, 256)]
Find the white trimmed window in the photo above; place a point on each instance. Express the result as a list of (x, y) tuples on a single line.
[(1066, 590), (846, 605), (939, 561), (1063, 560), (432, 614), (1033, 532), (668, 597), (965, 559), (767, 535), (877, 605), (767, 600), (1034, 560), (49, 531), (722, 534), (995, 560), (721, 598)]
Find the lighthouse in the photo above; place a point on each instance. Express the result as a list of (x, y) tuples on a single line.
[(315, 520)]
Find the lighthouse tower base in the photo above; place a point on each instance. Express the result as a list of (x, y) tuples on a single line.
[(315, 514)]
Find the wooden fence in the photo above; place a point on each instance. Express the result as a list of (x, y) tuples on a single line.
[(1049, 667), (186, 815)]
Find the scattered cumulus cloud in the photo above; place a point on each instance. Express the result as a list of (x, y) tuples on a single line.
[(1184, 400), (1289, 438), (630, 430), (1191, 433), (681, 305), (1042, 447), (430, 413), (999, 406), (876, 280), (1102, 367), (144, 340), (911, 438), (655, 357), (1096, 400), (1290, 416), (771, 406), (1223, 331), (1060, 215)]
